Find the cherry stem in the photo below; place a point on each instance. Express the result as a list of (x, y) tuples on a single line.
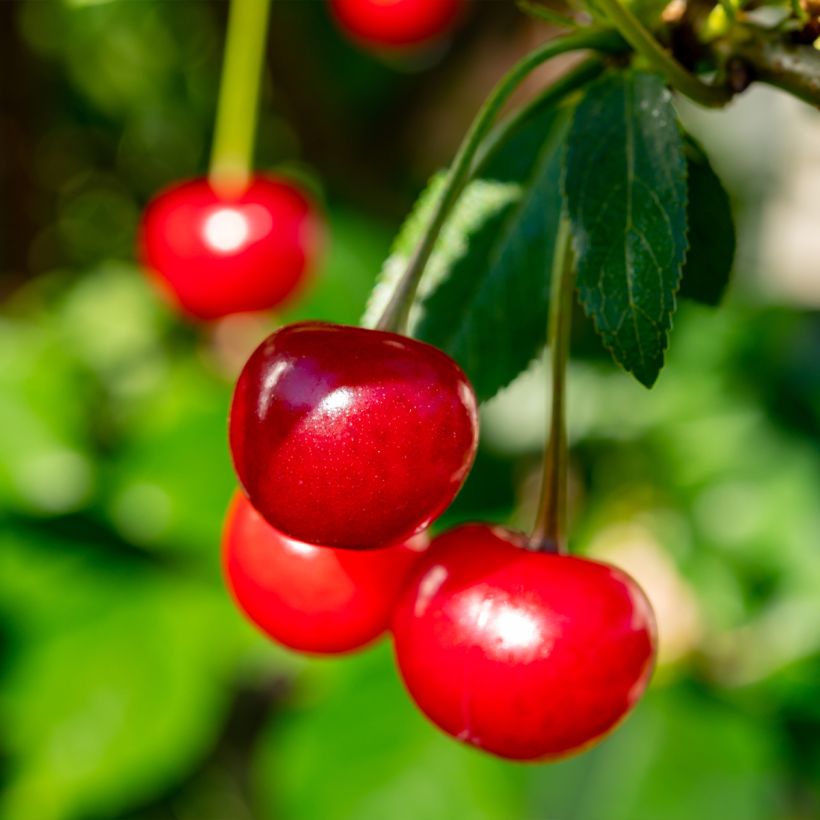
[(232, 153), (549, 533), (547, 15), (561, 88), (395, 314), (647, 46)]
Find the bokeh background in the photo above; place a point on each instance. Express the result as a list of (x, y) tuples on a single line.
[(130, 688)]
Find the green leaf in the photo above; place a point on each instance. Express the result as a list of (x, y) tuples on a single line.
[(711, 232), (479, 203), (490, 313), (395, 764), (483, 298), (625, 183)]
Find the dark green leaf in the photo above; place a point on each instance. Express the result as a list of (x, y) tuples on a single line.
[(490, 313), (711, 232), (483, 297), (479, 202), (625, 184)]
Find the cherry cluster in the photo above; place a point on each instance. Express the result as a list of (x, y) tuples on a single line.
[(348, 444)]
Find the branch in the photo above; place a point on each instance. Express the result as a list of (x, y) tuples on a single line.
[(772, 59)]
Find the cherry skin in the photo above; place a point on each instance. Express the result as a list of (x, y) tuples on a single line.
[(215, 254), (527, 655), (349, 437), (396, 24), (312, 599)]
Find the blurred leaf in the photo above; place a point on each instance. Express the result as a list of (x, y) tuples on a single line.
[(171, 479), (625, 184), (115, 695), (659, 765), (112, 321), (44, 460), (358, 750), (711, 251)]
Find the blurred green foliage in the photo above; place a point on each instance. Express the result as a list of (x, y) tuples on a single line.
[(130, 687)]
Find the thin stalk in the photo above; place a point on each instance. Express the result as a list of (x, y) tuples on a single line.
[(547, 15), (647, 46), (394, 316), (549, 533), (556, 92), (232, 152)]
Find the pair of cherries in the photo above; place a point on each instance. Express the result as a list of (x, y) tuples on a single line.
[(348, 444)]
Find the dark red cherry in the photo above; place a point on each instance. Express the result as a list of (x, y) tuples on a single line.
[(313, 599), (350, 437), (216, 254), (527, 655), (396, 23)]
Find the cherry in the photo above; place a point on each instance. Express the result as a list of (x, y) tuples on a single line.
[(313, 599), (349, 437), (396, 23), (216, 254), (527, 655)]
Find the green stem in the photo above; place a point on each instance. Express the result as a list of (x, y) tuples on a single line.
[(646, 45), (549, 533), (540, 12), (232, 153), (551, 96), (394, 316)]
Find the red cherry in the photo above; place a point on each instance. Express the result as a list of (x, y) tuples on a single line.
[(527, 655), (350, 437), (217, 254), (313, 599), (396, 23)]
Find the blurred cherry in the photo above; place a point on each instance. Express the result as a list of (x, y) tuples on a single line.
[(216, 254), (527, 655), (313, 599), (350, 437), (396, 24)]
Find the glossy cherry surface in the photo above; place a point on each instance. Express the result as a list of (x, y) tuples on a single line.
[(527, 655), (396, 23), (350, 437), (313, 599), (216, 255)]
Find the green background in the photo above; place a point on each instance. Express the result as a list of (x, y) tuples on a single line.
[(130, 688)]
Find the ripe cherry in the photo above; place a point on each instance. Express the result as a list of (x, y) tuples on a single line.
[(396, 24), (527, 655), (349, 437), (216, 254), (313, 599)]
